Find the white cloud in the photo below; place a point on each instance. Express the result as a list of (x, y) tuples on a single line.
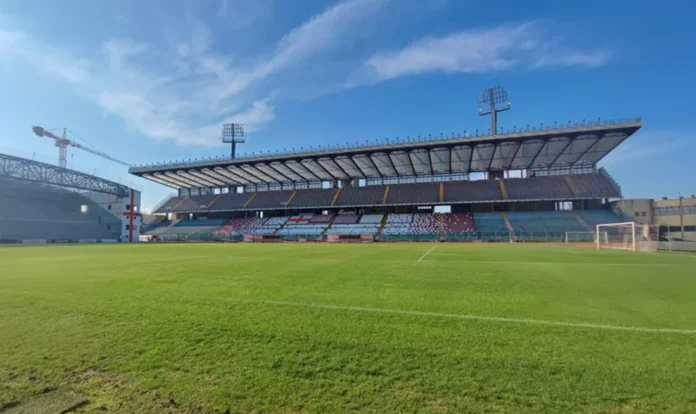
[(322, 32), (187, 90), (325, 31), (480, 51)]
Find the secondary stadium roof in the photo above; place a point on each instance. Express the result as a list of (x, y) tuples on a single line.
[(567, 146), (28, 170)]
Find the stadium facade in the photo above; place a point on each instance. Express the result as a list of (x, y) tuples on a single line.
[(397, 190), (43, 203)]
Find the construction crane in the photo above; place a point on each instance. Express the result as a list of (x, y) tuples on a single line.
[(64, 142)]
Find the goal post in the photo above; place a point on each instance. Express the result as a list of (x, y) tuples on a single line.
[(630, 236)]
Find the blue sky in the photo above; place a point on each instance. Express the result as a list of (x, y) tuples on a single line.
[(153, 81)]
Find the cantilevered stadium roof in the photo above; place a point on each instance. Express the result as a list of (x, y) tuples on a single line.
[(567, 146), (29, 170)]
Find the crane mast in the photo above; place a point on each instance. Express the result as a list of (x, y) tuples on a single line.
[(63, 142)]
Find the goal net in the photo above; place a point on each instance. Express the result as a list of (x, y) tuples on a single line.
[(627, 236), (585, 236)]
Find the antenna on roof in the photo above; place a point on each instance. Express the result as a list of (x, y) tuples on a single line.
[(233, 134), (490, 102)]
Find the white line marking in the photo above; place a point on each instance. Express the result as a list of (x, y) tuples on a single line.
[(464, 258), (474, 317), (426, 254)]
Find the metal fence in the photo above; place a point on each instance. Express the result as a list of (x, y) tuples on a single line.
[(677, 246), (551, 237)]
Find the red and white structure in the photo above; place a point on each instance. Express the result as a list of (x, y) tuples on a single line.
[(127, 208)]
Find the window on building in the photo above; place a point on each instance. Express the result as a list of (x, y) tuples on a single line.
[(642, 213), (127, 207), (109, 207), (637, 214)]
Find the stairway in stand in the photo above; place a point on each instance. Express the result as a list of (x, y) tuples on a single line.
[(330, 224), (508, 224), (582, 221), (160, 230), (383, 224), (336, 196), (571, 184), (503, 190)]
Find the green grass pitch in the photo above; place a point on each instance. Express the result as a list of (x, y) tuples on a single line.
[(212, 328)]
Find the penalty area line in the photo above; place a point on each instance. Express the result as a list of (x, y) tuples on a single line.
[(426, 254), (475, 317)]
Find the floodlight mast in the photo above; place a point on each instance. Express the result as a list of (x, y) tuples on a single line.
[(233, 134), (490, 102)]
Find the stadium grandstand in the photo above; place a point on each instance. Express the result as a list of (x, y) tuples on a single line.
[(43, 203), (531, 185)]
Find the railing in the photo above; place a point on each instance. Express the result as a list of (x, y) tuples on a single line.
[(318, 150), (150, 226), (162, 202), (603, 172), (501, 237), (198, 237)]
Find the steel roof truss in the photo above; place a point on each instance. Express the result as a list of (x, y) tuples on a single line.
[(481, 156), (348, 165), (603, 146), (274, 174), (383, 163), (420, 159), (265, 179), (503, 155), (581, 144), (199, 182), (252, 179), (182, 179), (402, 163), (333, 168), (213, 181), (553, 146), (368, 169), (230, 172), (225, 179), (526, 153), (287, 172), (302, 170), (461, 158), (438, 164), (317, 169), (161, 181)]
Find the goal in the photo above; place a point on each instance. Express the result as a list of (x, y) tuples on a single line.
[(585, 236), (627, 236)]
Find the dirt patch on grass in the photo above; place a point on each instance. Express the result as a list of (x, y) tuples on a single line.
[(50, 401)]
